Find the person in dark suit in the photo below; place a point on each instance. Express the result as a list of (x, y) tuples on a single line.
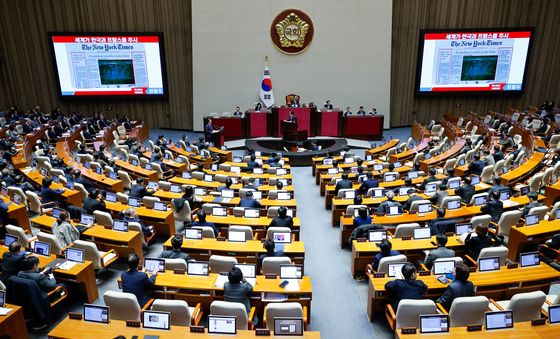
[(407, 288), (237, 112), (249, 201), (534, 202), (441, 193), (11, 261), (476, 166), (494, 207), (292, 118), (270, 251), (343, 184), (347, 112), (48, 195), (363, 218), (138, 190), (295, 102), (237, 289), (370, 182), (498, 187), (30, 270), (283, 219), (384, 206), (440, 252), (227, 185), (78, 178), (252, 164), (250, 184), (208, 129), (135, 282), (483, 239), (258, 107), (466, 191), (440, 224), (385, 250), (361, 111), (328, 105), (201, 216), (461, 287), (429, 179), (175, 252), (412, 197)]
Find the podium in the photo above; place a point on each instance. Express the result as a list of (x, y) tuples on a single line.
[(258, 124), (303, 115), (290, 132), (217, 137)]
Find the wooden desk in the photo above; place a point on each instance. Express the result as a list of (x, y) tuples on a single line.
[(247, 251), (363, 252), (122, 242), (137, 171), (425, 165), (179, 166), (21, 159), (410, 153), (498, 285), (70, 329), (194, 158), (163, 222), (521, 236), (259, 225), (520, 330), (19, 213), (13, 325), (73, 197), (376, 151)]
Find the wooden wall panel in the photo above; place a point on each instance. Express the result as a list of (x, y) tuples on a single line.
[(409, 16), (27, 75)]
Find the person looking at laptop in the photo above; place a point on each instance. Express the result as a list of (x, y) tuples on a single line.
[(11, 261), (483, 239), (461, 287), (385, 205), (65, 232), (130, 215), (238, 290), (440, 252), (227, 186), (412, 197), (363, 218), (466, 191), (135, 282), (269, 246), (283, 219), (30, 270), (201, 216), (93, 202), (429, 179), (534, 202), (385, 250), (494, 206), (407, 288)]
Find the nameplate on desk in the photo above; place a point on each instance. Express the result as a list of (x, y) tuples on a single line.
[(513, 265), (361, 239), (473, 328), (408, 330), (270, 276), (179, 271), (132, 323), (379, 275), (75, 316), (406, 238), (197, 329), (424, 273), (262, 332), (221, 238), (538, 322)]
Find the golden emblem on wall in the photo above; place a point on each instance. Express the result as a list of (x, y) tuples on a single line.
[(292, 31)]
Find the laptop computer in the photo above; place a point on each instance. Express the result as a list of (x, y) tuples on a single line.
[(524, 190), (227, 194), (186, 175), (284, 196), (222, 324), (475, 180), (56, 212), (152, 184), (489, 264), (390, 177), (154, 265), (287, 326), (453, 183), (529, 259), (282, 237), (235, 169), (422, 233), (70, 185), (113, 175), (193, 233), (42, 248), (175, 188), (453, 205), (96, 313), (219, 211), (110, 197), (208, 178), (425, 208), (498, 320), (291, 271), (236, 236), (98, 170), (197, 268), (8, 239), (479, 201), (156, 320), (378, 192), (258, 171), (249, 272), (332, 171), (134, 202), (395, 211), (377, 235), (554, 314), (349, 194), (403, 191), (349, 160), (281, 171), (397, 164), (430, 188), (531, 219), (160, 206), (4, 191), (434, 323), (504, 195), (461, 162), (327, 161), (395, 269), (443, 266), (75, 254), (120, 225), (257, 195), (251, 213), (199, 191), (134, 162), (214, 167), (412, 174), (461, 229)]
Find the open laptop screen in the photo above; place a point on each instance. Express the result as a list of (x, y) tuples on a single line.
[(377, 235), (291, 271), (156, 320), (282, 237), (422, 233), (444, 266), (193, 233), (435, 323), (529, 259), (288, 326), (554, 314), (248, 270), (499, 319), (42, 248), (75, 254), (197, 268), (531, 219), (424, 208), (453, 204), (154, 265), (395, 210), (394, 269), (463, 228), (489, 264), (221, 325), (96, 313)]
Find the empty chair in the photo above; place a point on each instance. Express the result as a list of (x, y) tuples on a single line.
[(554, 140), (272, 211), (525, 306), (468, 310), (207, 207), (343, 191), (135, 226), (415, 204), (220, 263), (547, 177), (81, 189), (517, 139), (406, 230), (207, 231), (149, 201), (56, 248), (175, 264), (449, 164), (499, 251), (237, 310), (384, 262), (13, 190), (164, 185), (181, 313), (283, 310), (477, 195), (409, 312), (481, 220), (103, 218), (125, 178), (487, 173), (498, 167), (123, 306), (540, 210), (535, 182), (350, 209), (238, 211), (18, 232), (460, 159), (552, 213), (506, 222), (35, 203), (99, 258), (122, 198), (225, 168), (197, 175), (271, 265), (271, 230), (245, 229)]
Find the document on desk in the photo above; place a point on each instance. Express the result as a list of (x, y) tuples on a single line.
[(5, 311), (220, 281), (509, 203), (67, 265)]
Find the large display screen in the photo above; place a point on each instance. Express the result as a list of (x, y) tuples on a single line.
[(487, 60), (123, 64)]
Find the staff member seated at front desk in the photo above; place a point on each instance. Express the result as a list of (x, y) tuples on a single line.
[(137, 283), (406, 288)]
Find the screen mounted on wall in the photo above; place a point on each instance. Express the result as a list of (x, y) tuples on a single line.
[(489, 60), (109, 64)]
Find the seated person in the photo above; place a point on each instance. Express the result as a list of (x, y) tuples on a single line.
[(361, 111), (498, 187), (283, 219), (201, 216), (476, 166), (429, 179), (384, 206), (227, 186), (269, 246), (138, 190), (494, 207), (347, 112), (385, 250), (94, 202), (252, 164), (30, 270), (345, 183), (370, 182), (407, 288), (440, 252), (249, 201), (461, 287), (175, 252), (483, 239), (78, 178), (466, 191), (441, 193), (412, 197), (135, 282), (48, 195), (363, 218), (237, 112), (64, 231), (12, 261), (440, 224), (238, 290), (250, 184), (534, 202), (130, 215)]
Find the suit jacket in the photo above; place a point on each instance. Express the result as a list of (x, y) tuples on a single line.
[(410, 200), (282, 222), (437, 198), (138, 284), (476, 167), (427, 181), (50, 195), (139, 191), (45, 284), (528, 207), (440, 252), (208, 129), (342, 184), (477, 243), (400, 289), (493, 207), (498, 156), (239, 293), (359, 221), (465, 192), (11, 265), (384, 206), (249, 202), (174, 254), (455, 290), (499, 188), (91, 205), (207, 224), (367, 184)]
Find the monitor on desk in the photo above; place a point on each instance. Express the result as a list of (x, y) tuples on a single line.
[(395, 211), (258, 170), (56, 179), (160, 206), (222, 324), (348, 160), (134, 162), (461, 229), (235, 169), (208, 177), (193, 233), (175, 188), (99, 170), (453, 205), (186, 175), (489, 264), (42, 248), (16, 198), (110, 197), (461, 162), (238, 236), (443, 266), (531, 219), (422, 233), (377, 235), (8, 239), (554, 314), (390, 177), (227, 194), (86, 219), (248, 270), (96, 313), (156, 320), (395, 269), (257, 195), (529, 259), (504, 195), (403, 191), (288, 326), (412, 174), (214, 167), (349, 194), (2, 298), (454, 183), (4, 191), (332, 171), (282, 237), (199, 191), (377, 167), (237, 160), (152, 184), (397, 164), (430, 187), (197, 268), (70, 185), (134, 202), (369, 157), (377, 192), (251, 213), (284, 181), (327, 161), (475, 180), (425, 208), (291, 271), (498, 320), (281, 171), (120, 225), (284, 196), (479, 201), (56, 212), (434, 323), (524, 190), (154, 265), (219, 211), (75, 254)]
